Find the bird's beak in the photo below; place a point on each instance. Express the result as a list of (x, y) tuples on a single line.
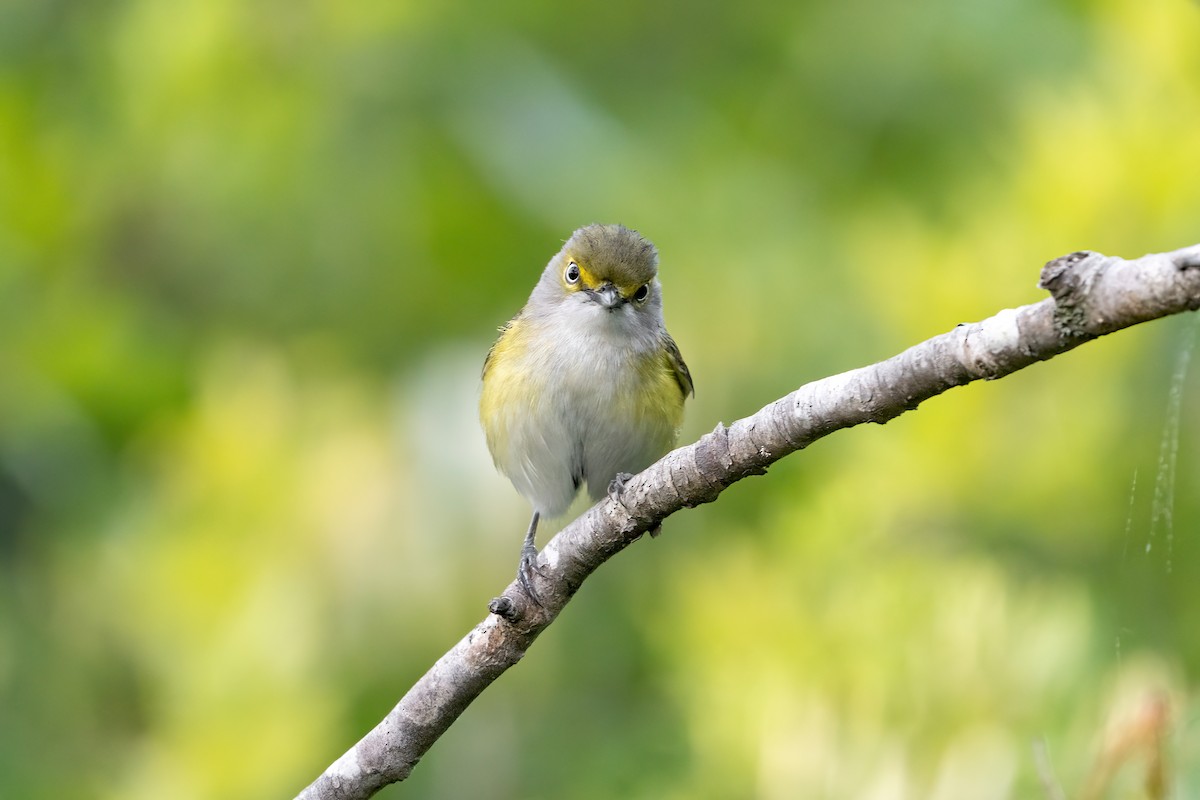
[(607, 296)]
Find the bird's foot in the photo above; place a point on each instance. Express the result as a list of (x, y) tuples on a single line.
[(525, 568), (617, 486)]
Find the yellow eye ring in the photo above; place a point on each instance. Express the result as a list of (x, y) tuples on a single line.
[(571, 274)]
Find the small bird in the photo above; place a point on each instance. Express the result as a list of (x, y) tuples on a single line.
[(584, 385)]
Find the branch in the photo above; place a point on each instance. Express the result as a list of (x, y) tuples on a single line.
[(1091, 295)]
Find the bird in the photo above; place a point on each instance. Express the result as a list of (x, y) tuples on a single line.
[(584, 386)]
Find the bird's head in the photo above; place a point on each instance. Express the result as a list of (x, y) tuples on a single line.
[(609, 265)]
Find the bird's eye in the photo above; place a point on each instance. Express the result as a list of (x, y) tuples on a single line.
[(642, 293), (572, 273)]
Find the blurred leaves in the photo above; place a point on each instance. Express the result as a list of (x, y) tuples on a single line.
[(251, 256)]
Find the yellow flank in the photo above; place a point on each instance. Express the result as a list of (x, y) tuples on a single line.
[(661, 394), (507, 386)]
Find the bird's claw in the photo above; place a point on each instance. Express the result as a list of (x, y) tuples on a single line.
[(527, 565), (617, 486)]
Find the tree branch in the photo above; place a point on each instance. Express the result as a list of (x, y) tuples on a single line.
[(1091, 295)]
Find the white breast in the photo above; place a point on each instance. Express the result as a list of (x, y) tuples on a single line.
[(583, 426)]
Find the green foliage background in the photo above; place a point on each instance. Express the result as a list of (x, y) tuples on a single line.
[(252, 255)]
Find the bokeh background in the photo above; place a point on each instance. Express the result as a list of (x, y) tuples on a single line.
[(251, 258)]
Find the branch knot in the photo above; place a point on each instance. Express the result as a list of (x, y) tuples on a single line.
[(1069, 280)]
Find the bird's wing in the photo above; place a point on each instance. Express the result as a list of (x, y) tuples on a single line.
[(675, 359)]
